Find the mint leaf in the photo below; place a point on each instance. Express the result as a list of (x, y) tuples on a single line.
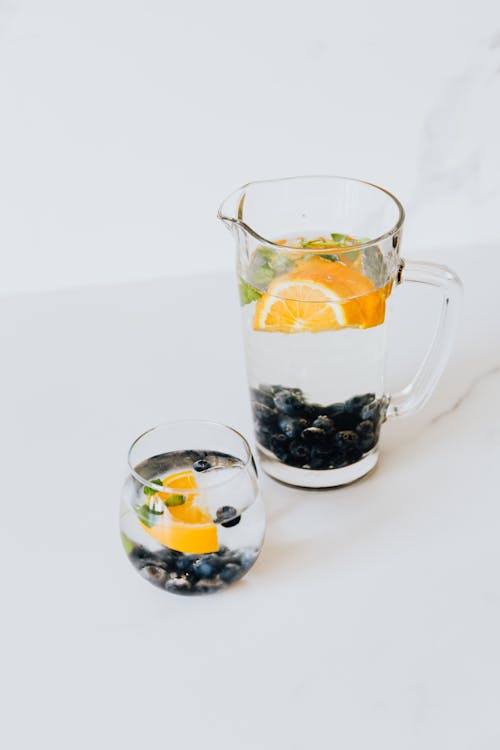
[(263, 275), (265, 253), (280, 264), (248, 293), (350, 254), (175, 500), (147, 514), (274, 260), (150, 490), (329, 256), (127, 543), (340, 238)]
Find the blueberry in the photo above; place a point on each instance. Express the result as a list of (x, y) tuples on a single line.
[(353, 455), (299, 449), (345, 420), (289, 403), (261, 397), (311, 411), (168, 558), (324, 423), (296, 391), (346, 439), (206, 567), (319, 462), (299, 452), (230, 572), (372, 411), (313, 436), (266, 418), (368, 442), (262, 438), (183, 564), (356, 403), (206, 587), (202, 465), (291, 427), (148, 560), (333, 409), (337, 458), (178, 585), (320, 459), (272, 389), (138, 554), (156, 574), (231, 559), (227, 516), (279, 446), (364, 428), (247, 557)]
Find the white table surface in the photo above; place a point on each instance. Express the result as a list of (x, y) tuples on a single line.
[(371, 619)]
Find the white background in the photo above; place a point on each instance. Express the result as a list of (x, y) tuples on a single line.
[(125, 123), (371, 619)]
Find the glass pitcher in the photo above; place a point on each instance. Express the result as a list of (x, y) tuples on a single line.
[(318, 259)]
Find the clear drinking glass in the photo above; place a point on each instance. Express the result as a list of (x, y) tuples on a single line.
[(191, 515), (318, 259)]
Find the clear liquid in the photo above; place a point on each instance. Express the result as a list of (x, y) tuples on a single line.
[(329, 366), (226, 492)]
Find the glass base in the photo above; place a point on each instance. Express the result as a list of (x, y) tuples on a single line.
[(316, 479)]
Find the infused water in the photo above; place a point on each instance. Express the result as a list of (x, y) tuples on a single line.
[(314, 312)]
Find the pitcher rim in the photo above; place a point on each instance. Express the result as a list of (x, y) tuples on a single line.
[(359, 246)]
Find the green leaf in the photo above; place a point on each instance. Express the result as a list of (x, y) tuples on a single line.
[(147, 514), (263, 275), (274, 260), (175, 500), (350, 254), (265, 253), (281, 264), (248, 293), (340, 238), (150, 490), (330, 256), (127, 543)]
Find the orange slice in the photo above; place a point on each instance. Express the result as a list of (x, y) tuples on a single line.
[(320, 295), (181, 480), (187, 527)]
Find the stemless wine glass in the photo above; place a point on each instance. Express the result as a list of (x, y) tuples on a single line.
[(318, 260), (191, 515)]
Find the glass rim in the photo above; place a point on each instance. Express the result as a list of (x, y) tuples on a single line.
[(185, 422), (360, 246)]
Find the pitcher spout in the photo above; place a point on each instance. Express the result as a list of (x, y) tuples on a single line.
[(231, 209)]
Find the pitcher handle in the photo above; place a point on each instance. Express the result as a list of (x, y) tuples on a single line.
[(416, 394)]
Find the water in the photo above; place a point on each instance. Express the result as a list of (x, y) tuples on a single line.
[(328, 366), (317, 396), (196, 541)]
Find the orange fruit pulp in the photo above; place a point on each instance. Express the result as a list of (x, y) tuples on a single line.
[(320, 295), (188, 527)]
